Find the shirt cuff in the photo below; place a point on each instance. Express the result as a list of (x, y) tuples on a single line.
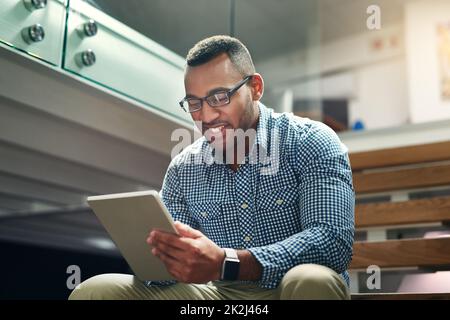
[(271, 269), (164, 283)]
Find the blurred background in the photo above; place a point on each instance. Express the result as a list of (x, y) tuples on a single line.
[(370, 69), (318, 57)]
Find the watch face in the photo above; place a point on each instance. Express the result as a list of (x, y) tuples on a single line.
[(231, 271)]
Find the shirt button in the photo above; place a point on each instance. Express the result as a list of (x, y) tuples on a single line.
[(279, 201), (244, 206), (204, 214), (247, 239)]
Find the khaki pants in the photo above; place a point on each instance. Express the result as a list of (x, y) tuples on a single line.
[(307, 281)]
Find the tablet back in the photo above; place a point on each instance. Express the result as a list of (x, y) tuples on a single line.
[(129, 218)]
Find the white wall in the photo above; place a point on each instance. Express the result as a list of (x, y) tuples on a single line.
[(343, 54), (422, 18), (408, 135), (374, 80), (382, 98)]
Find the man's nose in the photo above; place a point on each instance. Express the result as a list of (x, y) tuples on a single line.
[(208, 113)]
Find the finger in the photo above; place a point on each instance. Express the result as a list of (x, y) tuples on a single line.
[(182, 255), (176, 275), (158, 232), (172, 265), (186, 231), (164, 257), (168, 239), (176, 253)]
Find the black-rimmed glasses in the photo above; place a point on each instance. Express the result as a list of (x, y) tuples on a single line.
[(217, 99)]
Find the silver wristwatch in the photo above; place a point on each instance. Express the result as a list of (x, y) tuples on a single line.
[(230, 266)]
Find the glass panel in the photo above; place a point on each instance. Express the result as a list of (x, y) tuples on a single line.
[(175, 24), (15, 19), (141, 68)]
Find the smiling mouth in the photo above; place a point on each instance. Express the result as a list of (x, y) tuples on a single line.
[(218, 129), (217, 134)]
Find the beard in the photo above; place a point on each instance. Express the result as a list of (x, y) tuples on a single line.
[(232, 144)]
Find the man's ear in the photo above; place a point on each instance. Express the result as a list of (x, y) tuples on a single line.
[(257, 85)]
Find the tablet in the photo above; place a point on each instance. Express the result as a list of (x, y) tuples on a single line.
[(129, 218)]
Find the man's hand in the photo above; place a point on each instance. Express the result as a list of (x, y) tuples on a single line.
[(190, 256)]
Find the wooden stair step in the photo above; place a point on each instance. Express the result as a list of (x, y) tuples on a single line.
[(402, 253), (427, 210), (432, 152), (409, 178)]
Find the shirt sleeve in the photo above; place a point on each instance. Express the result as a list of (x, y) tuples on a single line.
[(326, 204)]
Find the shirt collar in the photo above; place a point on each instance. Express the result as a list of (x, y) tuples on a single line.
[(262, 129)]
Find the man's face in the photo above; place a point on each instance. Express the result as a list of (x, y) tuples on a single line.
[(218, 123)]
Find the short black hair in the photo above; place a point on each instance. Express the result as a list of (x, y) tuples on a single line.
[(209, 48)]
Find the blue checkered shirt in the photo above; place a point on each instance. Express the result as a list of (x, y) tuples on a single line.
[(295, 207)]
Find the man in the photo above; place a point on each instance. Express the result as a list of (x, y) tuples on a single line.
[(280, 227)]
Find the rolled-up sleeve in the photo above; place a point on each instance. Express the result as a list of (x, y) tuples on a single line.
[(326, 204)]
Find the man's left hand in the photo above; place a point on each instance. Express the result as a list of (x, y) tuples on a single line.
[(190, 257)]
